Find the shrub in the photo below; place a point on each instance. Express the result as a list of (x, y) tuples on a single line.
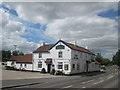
[(9, 68), (59, 72), (43, 70), (53, 71)]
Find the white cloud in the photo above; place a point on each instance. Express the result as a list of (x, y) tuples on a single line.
[(11, 35), (72, 22)]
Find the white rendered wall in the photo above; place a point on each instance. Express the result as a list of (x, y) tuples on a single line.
[(28, 66)]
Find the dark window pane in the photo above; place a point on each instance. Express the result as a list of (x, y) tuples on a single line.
[(60, 47)]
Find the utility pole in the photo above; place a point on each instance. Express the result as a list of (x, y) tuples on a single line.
[(15, 47)]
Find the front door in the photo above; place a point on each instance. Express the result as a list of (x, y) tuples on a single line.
[(49, 68)]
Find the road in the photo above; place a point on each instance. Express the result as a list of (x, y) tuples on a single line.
[(90, 80)]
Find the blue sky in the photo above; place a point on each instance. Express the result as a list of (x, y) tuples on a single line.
[(61, 22), (34, 31), (109, 14)]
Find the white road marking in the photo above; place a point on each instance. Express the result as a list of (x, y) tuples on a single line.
[(87, 81), (68, 86), (83, 87), (98, 82), (109, 77)]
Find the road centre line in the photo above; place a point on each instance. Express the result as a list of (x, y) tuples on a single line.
[(87, 81), (109, 77), (83, 87), (68, 86), (98, 82)]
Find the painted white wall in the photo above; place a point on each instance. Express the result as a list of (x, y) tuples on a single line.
[(68, 58), (28, 66)]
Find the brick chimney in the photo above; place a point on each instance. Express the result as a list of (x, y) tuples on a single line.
[(43, 43)]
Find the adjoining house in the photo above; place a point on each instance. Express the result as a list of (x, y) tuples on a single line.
[(62, 56), (21, 62)]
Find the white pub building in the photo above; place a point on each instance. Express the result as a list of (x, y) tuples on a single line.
[(63, 56)]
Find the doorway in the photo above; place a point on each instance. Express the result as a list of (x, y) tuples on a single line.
[(49, 68)]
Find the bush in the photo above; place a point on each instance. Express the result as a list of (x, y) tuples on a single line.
[(9, 68), (59, 72), (43, 70), (52, 72)]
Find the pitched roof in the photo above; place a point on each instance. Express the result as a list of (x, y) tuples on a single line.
[(75, 47), (47, 47), (22, 59), (44, 48)]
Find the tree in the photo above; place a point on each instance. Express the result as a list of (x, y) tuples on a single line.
[(116, 58), (106, 61), (99, 57), (7, 54), (17, 53)]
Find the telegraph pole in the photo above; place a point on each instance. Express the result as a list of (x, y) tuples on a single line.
[(15, 47)]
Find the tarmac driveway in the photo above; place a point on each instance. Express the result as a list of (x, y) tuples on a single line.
[(12, 75)]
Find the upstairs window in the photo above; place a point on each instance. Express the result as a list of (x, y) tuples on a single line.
[(40, 55), (60, 54), (76, 57), (60, 47)]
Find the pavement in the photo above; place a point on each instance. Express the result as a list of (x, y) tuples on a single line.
[(36, 80)]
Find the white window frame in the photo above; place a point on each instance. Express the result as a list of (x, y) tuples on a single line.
[(60, 64), (40, 55), (66, 68), (60, 54), (40, 63)]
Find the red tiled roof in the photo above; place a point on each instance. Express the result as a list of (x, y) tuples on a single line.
[(44, 48), (47, 47), (22, 59), (79, 48)]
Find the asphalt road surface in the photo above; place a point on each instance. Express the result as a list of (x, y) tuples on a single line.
[(109, 79)]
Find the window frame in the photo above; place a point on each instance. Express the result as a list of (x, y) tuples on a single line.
[(66, 68), (60, 64), (60, 47), (40, 55), (39, 64), (73, 66), (60, 54), (78, 66)]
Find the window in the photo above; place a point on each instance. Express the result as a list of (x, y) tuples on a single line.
[(76, 57), (60, 54), (60, 65), (60, 47), (78, 66), (12, 63), (40, 55), (73, 66), (39, 64), (21, 65), (66, 66), (25, 65)]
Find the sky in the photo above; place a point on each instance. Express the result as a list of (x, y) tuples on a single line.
[(90, 24)]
